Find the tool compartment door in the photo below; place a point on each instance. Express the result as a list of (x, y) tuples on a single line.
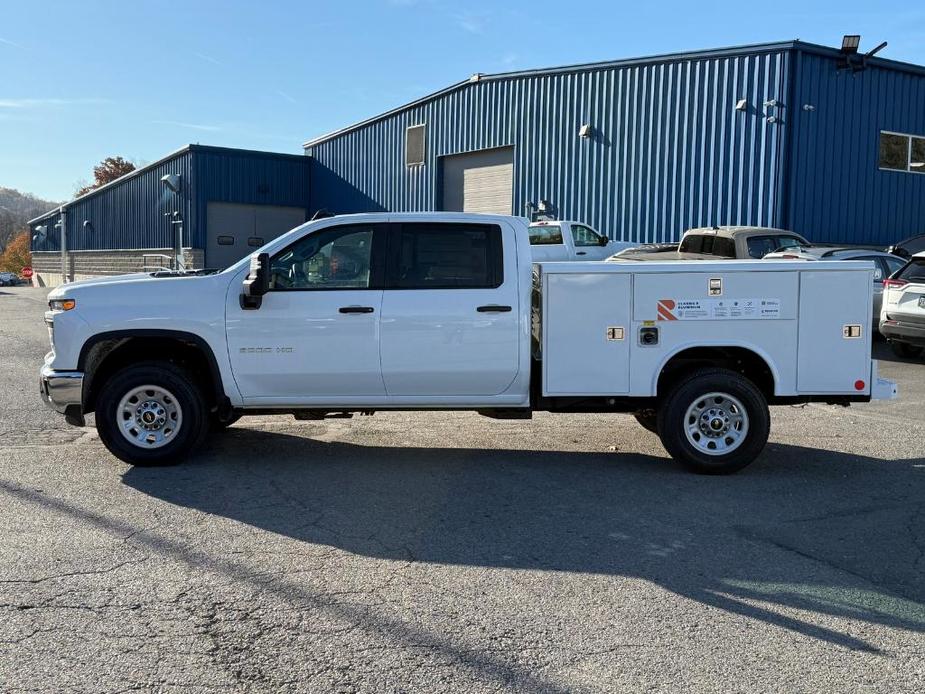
[(583, 314), (829, 361)]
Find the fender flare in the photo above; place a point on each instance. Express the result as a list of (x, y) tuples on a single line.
[(179, 335)]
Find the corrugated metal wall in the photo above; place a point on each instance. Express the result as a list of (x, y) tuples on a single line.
[(838, 193), (249, 178), (130, 214), (669, 149)]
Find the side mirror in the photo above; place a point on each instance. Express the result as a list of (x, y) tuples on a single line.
[(257, 282), (603, 241)]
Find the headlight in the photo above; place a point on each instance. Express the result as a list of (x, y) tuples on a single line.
[(62, 304)]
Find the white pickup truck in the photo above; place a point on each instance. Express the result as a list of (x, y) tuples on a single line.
[(447, 311), (553, 240)]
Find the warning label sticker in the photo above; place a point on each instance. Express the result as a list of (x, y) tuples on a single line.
[(717, 309)]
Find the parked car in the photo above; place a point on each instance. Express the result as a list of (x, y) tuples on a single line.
[(909, 247), (565, 240), (902, 318), (885, 264), (8, 279), (725, 243)]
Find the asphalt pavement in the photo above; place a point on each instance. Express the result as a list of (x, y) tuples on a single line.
[(432, 552)]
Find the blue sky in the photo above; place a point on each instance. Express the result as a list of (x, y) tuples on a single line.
[(82, 81)]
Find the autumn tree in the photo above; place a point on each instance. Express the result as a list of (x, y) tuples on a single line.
[(106, 171), (17, 254)]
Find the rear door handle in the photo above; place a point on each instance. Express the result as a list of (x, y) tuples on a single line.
[(356, 309), (493, 309)]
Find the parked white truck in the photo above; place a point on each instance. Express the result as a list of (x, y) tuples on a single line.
[(447, 311)]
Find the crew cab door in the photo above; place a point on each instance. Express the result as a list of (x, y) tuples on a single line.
[(316, 335), (450, 310)]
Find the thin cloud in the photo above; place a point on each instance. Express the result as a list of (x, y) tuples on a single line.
[(472, 23), (7, 42), (192, 126), (39, 103), (209, 59), (286, 96)]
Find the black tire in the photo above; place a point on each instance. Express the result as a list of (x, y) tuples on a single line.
[(218, 424), (187, 393), (904, 350), (648, 420), (685, 394)]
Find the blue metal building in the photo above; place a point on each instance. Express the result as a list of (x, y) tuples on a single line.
[(791, 135), (226, 202)]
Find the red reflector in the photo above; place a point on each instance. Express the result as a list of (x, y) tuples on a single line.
[(859, 385)]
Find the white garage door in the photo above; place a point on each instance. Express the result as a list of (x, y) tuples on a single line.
[(235, 230), (481, 181)]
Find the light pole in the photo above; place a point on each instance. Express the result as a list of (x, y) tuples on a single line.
[(173, 182)]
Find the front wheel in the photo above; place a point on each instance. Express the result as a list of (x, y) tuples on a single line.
[(714, 422), (151, 413)]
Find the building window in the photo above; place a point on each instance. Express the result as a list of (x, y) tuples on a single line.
[(414, 145), (900, 152)]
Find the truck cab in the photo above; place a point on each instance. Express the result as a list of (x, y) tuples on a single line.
[(555, 240), (448, 311)]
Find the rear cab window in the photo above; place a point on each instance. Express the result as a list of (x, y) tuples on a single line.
[(445, 256), (708, 244)]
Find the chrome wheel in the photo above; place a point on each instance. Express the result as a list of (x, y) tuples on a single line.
[(716, 424), (149, 416)]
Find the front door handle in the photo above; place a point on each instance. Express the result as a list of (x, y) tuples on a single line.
[(356, 309), (581, 253), (493, 309)]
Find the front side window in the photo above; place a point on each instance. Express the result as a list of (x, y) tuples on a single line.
[(899, 152), (583, 236), (760, 246), (545, 235), (333, 258), (446, 256)]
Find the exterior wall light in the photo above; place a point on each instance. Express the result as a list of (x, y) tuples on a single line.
[(742, 105), (586, 131), (172, 181)]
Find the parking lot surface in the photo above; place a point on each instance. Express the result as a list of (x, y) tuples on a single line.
[(449, 552)]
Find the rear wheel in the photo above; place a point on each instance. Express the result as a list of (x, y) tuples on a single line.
[(151, 413), (714, 422), (905, 350)]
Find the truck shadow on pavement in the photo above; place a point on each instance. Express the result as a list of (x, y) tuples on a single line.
[(802, 530)]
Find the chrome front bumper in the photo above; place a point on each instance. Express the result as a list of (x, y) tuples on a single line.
[(62, 389)]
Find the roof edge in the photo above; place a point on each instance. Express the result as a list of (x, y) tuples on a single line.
[(167, 157), (793, 44)]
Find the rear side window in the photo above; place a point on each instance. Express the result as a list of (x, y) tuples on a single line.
[(446, 256), (545, 235), (893, 264), (914, 271)]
